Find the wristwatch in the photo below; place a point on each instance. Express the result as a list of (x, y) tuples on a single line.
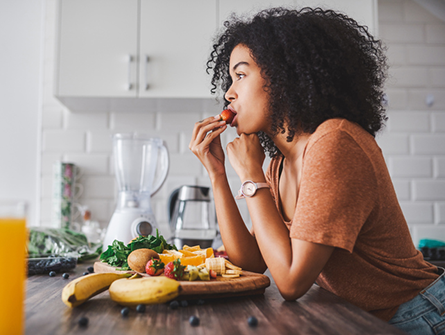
[(249, 188)]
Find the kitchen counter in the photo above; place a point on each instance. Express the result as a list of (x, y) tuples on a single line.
[(317, 312)]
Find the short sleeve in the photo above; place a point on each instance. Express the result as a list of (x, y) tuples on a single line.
[(337, 193)]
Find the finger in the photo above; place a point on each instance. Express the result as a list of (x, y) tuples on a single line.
[(204, 131), (201, 130), (203, 123), (211, 136)]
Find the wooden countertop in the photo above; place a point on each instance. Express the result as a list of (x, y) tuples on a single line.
[(317, 312)]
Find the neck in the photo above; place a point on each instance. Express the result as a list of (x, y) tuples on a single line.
[(291, 150)]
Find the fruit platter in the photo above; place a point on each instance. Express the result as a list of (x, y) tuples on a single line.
[(148, 270)]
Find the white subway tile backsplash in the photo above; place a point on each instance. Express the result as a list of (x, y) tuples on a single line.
[(409, 121), (401, 33), (390, 11), (396, 54), (439, 208), (63, 141), (397, 98), (179, 121), (97, 187), (435, 33), (184, 164), (393, 143), (133, 122), (417, 99), (439, 167), (90, 164), (438, 122), (428, 144), (100, 141), (429, 189), (410, 167), (417, 212), (426, 54), (437, 76), (415, 13), (86, 121), (402, 188), (180, 106)]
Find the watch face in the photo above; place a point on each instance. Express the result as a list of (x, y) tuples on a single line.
[(249, 189)]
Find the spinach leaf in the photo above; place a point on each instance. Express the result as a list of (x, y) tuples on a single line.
[(117, 253)]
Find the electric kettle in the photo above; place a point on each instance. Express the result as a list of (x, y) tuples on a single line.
[(191, 217)]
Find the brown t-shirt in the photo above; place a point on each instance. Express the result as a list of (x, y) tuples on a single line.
[(346, 200)]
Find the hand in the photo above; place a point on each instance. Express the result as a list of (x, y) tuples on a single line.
[(247, 156), (206, 144)]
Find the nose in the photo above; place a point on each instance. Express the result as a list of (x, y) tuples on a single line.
[(230, 94)]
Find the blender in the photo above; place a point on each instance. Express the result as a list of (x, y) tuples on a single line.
[(141, 166)]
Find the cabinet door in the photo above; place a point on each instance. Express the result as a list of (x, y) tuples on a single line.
[(176, 40), (97, 48), (363, 11)]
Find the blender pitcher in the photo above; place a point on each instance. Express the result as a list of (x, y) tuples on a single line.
[(141, 166)]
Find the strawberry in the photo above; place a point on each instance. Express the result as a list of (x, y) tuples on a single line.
[(154, 267), (174, 270), (213, 273), (227, 115)]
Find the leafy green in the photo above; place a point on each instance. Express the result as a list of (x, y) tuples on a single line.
[(117, 253), (44, 242)]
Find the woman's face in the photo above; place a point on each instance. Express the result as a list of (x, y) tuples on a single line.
[(246, 94)]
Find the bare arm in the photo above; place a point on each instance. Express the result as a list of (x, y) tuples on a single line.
[(240, 245), (294, 264)]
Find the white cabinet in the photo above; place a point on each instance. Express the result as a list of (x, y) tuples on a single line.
[(98, 46), (176, 40), (134, 48), (153, 49)]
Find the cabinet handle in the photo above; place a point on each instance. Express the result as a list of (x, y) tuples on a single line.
[(146, 59), (130, 59)]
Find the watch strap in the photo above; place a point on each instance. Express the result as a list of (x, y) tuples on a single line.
[(257, 186)]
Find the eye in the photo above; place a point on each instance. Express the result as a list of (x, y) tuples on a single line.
[(239, 76)]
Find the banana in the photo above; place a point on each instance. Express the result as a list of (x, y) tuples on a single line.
[(147, 290), (83, 288)]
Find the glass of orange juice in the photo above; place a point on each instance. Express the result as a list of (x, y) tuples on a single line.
[(13, 239)]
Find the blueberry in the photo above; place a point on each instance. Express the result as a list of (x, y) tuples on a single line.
[(83, 321), (252, 321), (184, 303), (194, 320), (65, 275), (125, 311), (174, 304), (201, 302), (90, 269), (52, 273), (140, 308), (86, 273)]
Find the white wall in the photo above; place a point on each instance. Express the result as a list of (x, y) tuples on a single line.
[(20, 56), (414, 140)]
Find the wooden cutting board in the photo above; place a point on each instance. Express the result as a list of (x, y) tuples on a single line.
[(249, 283)]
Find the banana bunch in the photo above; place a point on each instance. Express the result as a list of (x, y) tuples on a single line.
[(83, 288), (223, 267), (146, 290)]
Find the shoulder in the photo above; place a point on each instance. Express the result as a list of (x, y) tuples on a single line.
[(335, 133)]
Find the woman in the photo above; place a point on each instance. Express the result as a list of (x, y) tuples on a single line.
[(306, 87)]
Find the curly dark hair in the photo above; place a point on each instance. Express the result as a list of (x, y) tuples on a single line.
[(318, 64)]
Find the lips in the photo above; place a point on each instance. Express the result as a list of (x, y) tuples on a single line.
[(232, 124)]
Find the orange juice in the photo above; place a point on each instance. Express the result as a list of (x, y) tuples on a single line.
[(12, 281)]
